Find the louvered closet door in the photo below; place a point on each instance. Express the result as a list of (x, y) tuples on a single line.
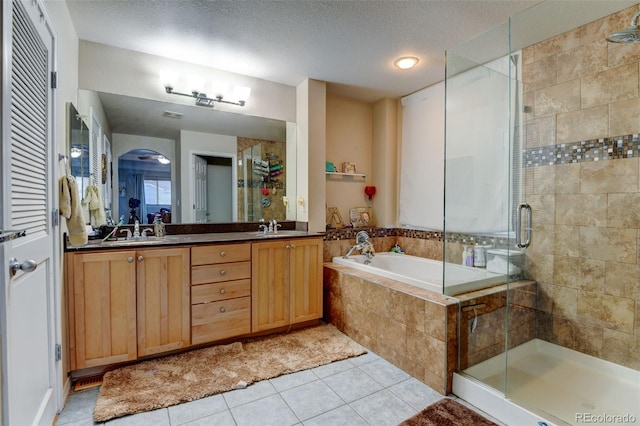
[(28, 346)]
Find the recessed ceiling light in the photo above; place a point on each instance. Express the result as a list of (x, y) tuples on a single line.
[(406, 62)]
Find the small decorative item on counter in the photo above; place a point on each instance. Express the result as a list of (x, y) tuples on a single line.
[(348, 167), (467, 255), (329, 167), (334, 218), (360, 217), (480, 255), (397, 249), (158, 227)]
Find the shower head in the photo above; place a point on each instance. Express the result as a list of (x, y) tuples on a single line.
[(630, 35)]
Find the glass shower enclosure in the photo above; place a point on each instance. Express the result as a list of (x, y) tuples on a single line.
[(542, 184)]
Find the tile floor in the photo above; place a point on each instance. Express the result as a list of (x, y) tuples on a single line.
[(366, 390)]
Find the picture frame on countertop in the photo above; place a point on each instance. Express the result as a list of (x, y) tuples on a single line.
[(361, 217)]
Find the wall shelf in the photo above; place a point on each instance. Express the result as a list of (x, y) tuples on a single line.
[(360, 175)]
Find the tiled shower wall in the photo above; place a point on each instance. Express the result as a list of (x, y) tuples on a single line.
[(582, 179)]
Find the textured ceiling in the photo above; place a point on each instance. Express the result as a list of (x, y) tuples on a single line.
[(349, 44)]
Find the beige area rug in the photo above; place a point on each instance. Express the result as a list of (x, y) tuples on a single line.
[(192, 375), (447, 412)]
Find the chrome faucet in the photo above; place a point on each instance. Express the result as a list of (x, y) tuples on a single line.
[(136, 229), (264, 228), (128, 233), (364, 245), (273, 226)]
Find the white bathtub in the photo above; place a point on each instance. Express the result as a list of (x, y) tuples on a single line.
[(425, 273)]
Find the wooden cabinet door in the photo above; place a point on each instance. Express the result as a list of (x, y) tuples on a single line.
[(164, 300), (269, 285), (305, 279), (102, 297)]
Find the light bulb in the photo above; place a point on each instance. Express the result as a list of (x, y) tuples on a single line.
[(219, 89), (196, 84), (406, 62), (168, 78), (241, 93)]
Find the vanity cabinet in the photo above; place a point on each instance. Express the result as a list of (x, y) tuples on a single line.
[(101, 290), (220, 291), (163, 300), (127, 304), (287, 282)]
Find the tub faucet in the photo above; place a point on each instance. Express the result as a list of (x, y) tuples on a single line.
[(368, 251), (364, 245)]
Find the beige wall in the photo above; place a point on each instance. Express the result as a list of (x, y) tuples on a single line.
[(585, 250), (385, 161), (349, 138), (67, 67)]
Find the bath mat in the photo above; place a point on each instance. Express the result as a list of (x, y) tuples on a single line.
[(447, 412), (196, 374)]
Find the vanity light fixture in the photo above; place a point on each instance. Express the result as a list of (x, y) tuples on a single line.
[(406, 62), (241, 93)]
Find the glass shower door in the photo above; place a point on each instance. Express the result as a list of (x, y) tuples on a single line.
[(560, 338)]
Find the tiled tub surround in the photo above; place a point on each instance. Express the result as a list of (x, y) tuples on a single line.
[(584, 99), (417, 330), (405, 325)]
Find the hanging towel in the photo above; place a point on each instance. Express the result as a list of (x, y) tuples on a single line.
[(99, 216), (65, 198), (75, 221), (93, 203)]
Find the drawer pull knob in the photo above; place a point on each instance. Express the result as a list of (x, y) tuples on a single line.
[(223, 254), (223, 272), (140, 258), (130, 259), (222, 309), (287, 247), (222, 291), (293, 246)]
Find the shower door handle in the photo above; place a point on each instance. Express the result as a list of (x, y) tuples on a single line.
[(526, 207)]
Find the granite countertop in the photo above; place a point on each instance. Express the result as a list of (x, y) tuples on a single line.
[(189, 239), (7, 234)]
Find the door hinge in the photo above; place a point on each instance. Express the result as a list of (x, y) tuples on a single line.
[(58, 352), (54, 79), (55, 217)]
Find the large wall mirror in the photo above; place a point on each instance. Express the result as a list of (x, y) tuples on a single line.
[(192, 164), (78, 147)]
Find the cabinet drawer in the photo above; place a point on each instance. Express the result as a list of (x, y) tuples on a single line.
[(220, 253), (207, 293), (223, 272), (220, 320)]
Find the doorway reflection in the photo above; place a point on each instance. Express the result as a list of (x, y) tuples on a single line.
[(144, 187)]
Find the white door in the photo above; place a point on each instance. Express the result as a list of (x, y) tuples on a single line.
[(200, 189), (27, 311), (219, 193)]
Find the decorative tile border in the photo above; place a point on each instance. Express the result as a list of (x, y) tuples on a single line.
[(350, 233), (618, 147), (449, 237)]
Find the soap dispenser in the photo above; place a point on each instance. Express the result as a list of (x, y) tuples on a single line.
[(158, 226)]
